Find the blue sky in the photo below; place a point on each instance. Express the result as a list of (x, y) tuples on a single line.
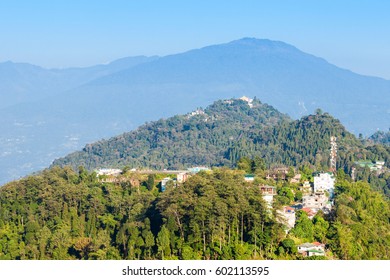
[(351, 34)]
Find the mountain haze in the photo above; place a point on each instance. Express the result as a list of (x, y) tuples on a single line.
[(23, 82)]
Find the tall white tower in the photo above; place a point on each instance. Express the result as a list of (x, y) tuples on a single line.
[(333, 153)]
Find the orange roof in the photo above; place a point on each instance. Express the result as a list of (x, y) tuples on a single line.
[(308, 211)]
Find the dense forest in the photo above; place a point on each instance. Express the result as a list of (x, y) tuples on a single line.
[(199, 138), (381, 137), (231, 129), (63, 214), (68, 212), (225, 132)]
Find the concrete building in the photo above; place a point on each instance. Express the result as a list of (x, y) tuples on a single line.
[(109, 172), (324, 182), (249, 177), (312, 249), (316, 200), (181, 177), (296, 178), (164, 183), (268, 193), (197, 169), (306, 188), (287, 215)]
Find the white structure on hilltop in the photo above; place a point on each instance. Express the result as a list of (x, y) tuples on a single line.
[(196, 113), (324, 182), (247, 100)]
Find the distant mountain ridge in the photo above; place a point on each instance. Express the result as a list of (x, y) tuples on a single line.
[(24, 82), (296, 83)]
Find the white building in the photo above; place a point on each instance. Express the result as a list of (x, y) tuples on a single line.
[(197, 169), (268, 193), (306, 187), (311, 249), (324, 182), (109, 172), (249, 177), (164, 183), (181, 177), (247, 100), (316, 200), (287, 216)]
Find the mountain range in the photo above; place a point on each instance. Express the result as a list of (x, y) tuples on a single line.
[(49, 113)]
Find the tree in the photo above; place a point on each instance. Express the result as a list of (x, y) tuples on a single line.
[(163, 242), (151, 182), (289, 246), (148, 238), (303, 227), (245, 164), (320, 228)]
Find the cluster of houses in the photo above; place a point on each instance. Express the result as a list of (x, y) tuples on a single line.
[(377, 166), (317, 196), (110, 175)]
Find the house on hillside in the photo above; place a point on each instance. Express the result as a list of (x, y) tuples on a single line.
[(247, 100), (324, 181), (268, 193), (278, 173), (249, 177), (182, 177), (306, 188), (310, 213), (287, 217), (197, 169), (316, 200), (108, 172), (164, 183), (109, 175), (312, 249), (296, 178), (372, 165)]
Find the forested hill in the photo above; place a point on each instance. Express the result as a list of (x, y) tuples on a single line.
[(224, 132), (202, 137)]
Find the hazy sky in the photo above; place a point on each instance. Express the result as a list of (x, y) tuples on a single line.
[(351, 34)]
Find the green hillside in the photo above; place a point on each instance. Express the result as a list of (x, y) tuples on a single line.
[(63, 214), (225, 132), (201, 138), (66, 212)]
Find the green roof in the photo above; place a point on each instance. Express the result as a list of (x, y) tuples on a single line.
[(315, 251)]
